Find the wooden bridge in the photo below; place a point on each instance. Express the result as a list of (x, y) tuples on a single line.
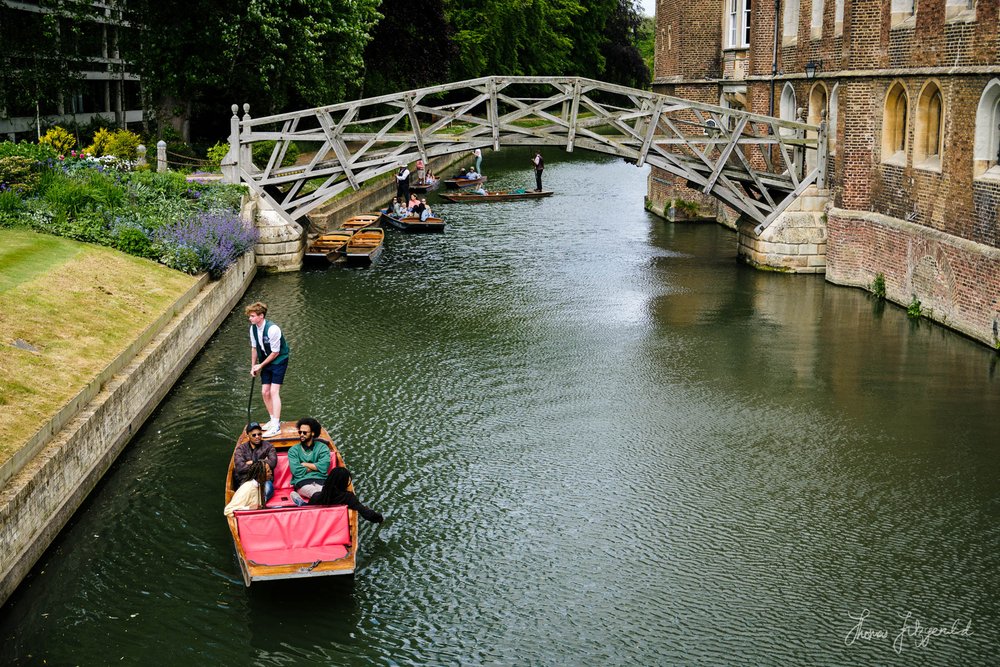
[(755, 164)]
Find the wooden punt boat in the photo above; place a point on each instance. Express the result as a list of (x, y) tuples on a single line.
[(511, 195), (356, 222), (365, 247), (329, 246), (454, 183), (282, 541), (429, 185), (412, 223)]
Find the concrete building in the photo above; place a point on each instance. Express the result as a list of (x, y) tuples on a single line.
[(88, 37), (911, 91)]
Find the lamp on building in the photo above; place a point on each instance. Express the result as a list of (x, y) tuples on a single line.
[(812, 67)]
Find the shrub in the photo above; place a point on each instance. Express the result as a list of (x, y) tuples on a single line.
[(62, 141), (34, 152), (914, 310), (124, 145), (215, 239), (102, 140), (217, 153), (262, 153), (878, 285), (11, 203), (19, 174)]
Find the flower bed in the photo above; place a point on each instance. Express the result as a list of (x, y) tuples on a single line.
[(190, 226)]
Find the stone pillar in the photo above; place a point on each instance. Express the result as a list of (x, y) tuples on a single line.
[(140, 152), (795, 242), (161, 156), (281, 244)]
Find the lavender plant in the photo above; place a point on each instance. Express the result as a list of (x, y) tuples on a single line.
[(208, 241)]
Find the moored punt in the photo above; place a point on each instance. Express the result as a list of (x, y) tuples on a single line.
[(329, 246), (511, 195), (356, 222), (463, 182), (429, 185), (365, 247), (282, 541), (412, 223)]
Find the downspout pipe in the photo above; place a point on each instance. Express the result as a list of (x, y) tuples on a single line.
[(774, 56)]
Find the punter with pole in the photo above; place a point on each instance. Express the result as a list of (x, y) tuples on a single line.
[(268, 360)]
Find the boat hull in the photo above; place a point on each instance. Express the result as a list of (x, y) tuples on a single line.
[(471, 197), (413, 224), (458, 183), (426, 187)]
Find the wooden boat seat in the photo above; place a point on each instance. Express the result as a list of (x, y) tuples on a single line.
[(295, 535), (283, 482)]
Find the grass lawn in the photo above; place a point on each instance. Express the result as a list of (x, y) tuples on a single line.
[(79, 306)]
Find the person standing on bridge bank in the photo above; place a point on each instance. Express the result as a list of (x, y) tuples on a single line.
[(539, 164), (403, 183), (269, 360)]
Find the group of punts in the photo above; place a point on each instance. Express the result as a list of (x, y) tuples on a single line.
[(412, 223), (503, 195), (357, 242), (283, 541)]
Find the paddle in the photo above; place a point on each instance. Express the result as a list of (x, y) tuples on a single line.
[(253, 379)]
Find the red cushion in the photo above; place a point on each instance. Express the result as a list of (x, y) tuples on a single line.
[(283, 481), (295, 535)]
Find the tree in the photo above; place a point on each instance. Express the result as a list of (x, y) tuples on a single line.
[(271, 53), (622, 61), (411, 47)]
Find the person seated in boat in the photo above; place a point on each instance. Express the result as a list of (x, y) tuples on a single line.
[(308, 461), (418, 207), (425, 210), (480, 190), (250, 494), (335, 492), (472, 174), (255, 450), (413, 204), (398, 210)]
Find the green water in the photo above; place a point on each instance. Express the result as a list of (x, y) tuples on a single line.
[(598, 440)]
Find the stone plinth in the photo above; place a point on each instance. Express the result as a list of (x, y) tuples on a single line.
[(281, 244), (795, 242)]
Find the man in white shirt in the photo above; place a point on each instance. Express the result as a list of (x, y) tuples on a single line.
[(269, 360)]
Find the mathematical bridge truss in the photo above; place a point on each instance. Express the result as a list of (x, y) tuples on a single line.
[(756, 164)]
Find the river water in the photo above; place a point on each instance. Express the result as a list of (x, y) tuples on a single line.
[(598, 440)]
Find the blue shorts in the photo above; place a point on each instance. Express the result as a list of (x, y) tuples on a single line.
[(273, 373)]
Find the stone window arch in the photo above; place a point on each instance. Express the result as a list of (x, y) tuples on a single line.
[(894, 120), (786, 107), (903, 11), (928, 132), (831, 119), (986, 151), (818, 111)]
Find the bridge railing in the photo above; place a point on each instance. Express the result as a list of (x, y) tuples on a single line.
[(756, 164)]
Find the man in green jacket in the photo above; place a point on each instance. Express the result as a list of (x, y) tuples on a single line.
[(308, 461)]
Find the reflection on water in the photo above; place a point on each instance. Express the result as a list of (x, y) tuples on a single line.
[(598, 440)]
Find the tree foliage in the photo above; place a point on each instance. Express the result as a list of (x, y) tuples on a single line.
[(411, 47)]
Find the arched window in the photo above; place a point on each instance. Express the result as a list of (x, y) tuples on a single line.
[(960, 10), (894, 125), (987, 147), (929, 129), (786, 110), (831, 119), (790, 22), (817, 113)]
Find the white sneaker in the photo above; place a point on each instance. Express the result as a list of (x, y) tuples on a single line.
[(270, 423), (272, 430)]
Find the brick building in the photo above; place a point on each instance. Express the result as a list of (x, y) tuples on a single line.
[(103, 86), (911, 90)]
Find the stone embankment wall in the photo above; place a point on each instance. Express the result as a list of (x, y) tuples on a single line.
[(956, 281), (84, 440)]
